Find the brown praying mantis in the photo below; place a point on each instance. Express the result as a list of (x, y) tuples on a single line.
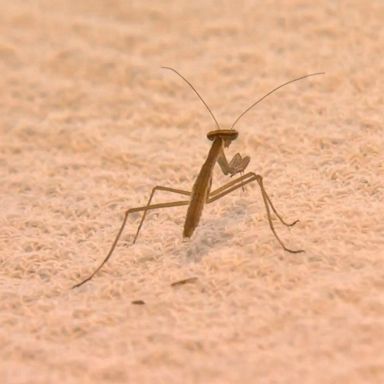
[(201, 193)]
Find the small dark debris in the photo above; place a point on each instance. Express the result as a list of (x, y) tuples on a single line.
[(184, 281), (138, 302)]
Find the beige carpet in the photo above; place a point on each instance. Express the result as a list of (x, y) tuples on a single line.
[(90, 123)]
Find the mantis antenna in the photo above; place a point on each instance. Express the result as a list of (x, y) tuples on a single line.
[(273, 90), (197, 93)]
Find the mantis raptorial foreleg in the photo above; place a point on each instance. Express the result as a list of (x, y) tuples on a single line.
[(240, 182), (236, 165), (132, 210)]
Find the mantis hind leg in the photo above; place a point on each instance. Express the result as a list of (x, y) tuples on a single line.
[(132, 210), (267, 203)]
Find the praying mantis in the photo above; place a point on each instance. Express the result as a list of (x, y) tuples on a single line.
[(201, 193)]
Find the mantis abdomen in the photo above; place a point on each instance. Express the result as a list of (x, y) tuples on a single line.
[(201, 188)]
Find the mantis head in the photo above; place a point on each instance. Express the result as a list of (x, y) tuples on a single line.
[(227, 135)]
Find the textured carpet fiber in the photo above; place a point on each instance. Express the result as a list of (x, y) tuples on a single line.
[(89, 123)]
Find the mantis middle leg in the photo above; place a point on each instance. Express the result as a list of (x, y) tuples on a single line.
[(240, 182), (157, 188)]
